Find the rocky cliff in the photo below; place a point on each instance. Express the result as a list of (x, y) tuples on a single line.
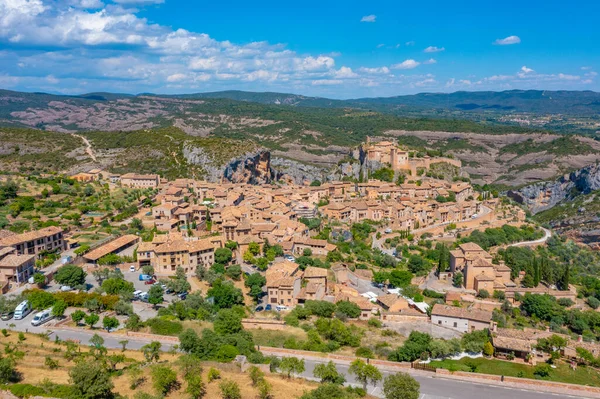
[(254, 168), (544, 195)]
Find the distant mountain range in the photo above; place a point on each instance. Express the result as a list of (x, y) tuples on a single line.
[(576, 103)]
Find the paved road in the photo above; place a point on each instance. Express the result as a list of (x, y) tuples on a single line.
[(546, 237), (435, 387)]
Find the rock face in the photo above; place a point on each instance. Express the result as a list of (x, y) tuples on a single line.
[(254, 168), (296, 172), (544, 195)]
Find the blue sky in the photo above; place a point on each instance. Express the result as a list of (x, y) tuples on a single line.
[(324, 48)]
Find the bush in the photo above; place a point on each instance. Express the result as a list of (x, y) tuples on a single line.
[(432, 294), (164, 327), (164, 379), (230, 390), (542, 370), (374, 322), (350, 309), (364, 352), (483, 294), (593, 302), (213, 374)]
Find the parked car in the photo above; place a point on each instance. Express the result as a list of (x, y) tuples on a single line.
[(268, 307), (388, 231), (144, 297), (42, 317), (7, 315), (259, 308), (132, 268), (66, 288), (136, 294), (182, 295), (289, 258), (281, 308), (150, 282), (145, 277)]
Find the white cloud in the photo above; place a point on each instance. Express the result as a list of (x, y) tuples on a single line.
[(433, 49), (410, 43), (374, 71), (425, 82), (408, 64), (450, 82), (526, 70), (430, 61), (465, 82), (508, 40), (368, 18), (345, 73), (586, 68), (380, 45), (327, 82), (52, 80), (176, 77), (563, 76)]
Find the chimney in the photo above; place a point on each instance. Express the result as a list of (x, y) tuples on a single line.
[(493, 326), (579, 338)]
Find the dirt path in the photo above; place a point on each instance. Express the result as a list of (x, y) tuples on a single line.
[(88, 146)]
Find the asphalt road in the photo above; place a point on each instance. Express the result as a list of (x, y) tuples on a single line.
[(433, 387)]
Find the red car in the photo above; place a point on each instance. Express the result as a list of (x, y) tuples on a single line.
[(150, 282)]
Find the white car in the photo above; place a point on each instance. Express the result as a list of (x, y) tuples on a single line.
[(281, 308), (66, 288), (388, 231), (132, 269)]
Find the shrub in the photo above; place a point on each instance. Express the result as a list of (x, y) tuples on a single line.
[(164, 327), (51, 363), (593, 302), (164, 379), (373, 322), (364, 352), (230, 390), (542, 370), (483, 294), (213, 374)]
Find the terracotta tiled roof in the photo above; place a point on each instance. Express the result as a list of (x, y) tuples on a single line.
[(461, 313)]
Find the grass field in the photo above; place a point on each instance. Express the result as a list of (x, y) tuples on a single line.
[(563, 373)]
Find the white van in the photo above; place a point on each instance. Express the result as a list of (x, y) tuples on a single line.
[(136, 294), (280, 308), (42, 317), (22, 310), (144, 296)]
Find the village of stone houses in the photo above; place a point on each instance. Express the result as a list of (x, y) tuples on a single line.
[(401, 268)]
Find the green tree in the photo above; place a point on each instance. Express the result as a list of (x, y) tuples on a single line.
[(365, 373), (39, 279), (164, 379), (109, 323), (90, 380), (77, 316), (59, 308), (291, 365), (151, 351), (223, 255), (155, 295), (348, 308), (7, 370), (400, 278), (228, 321), (70, 275), (195, 386), (457, 279), (255, 374), (401, 386), (328, 373), (91, 319), (488, 349), (225, 294)]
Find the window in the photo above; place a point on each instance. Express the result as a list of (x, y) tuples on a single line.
[(439, 322), (455, 324)]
